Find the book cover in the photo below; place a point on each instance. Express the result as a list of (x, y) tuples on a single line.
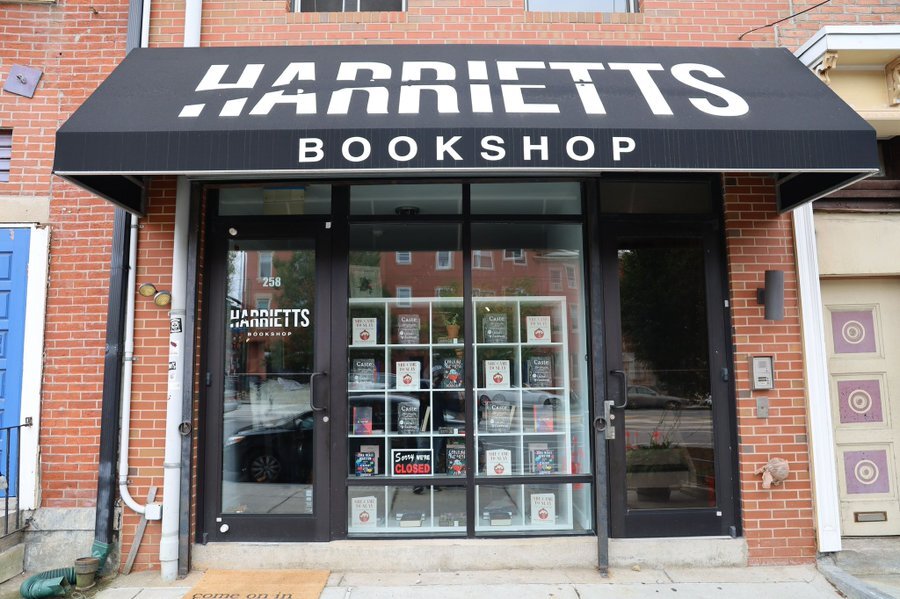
[(496, 374), (362, 420), (532, 447), (364, 511), (411, 519), (375, 449), (500, 518), (408, 328), (407, 376), (452, 373), (498, 414), (543, 508), (494, 328), (543, 418), (498, 462), (539, 372), (452, 519), (365, 463), (537, 329), (544, 461), (364, 331), (456, 459), (408, 418), (363, 373)]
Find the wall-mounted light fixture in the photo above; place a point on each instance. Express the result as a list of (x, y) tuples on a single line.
[(772, 295), (160, 298)]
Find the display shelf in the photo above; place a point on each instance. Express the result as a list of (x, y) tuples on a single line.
[(397, 324)]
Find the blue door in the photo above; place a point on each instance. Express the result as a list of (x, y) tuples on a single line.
[(13, 283)]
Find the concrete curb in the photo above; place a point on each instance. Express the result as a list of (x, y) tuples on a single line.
[(850, 585)]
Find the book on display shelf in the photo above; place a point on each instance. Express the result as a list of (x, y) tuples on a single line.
[(456, 459), (364, 512), (498, 462), (364, 331), (544, 461), (498, 414), (374, 449), (543, 418), (452, 373), (362, 420), (496, 374), (365, 463), (539, 372), (363, 373), (408, 375), (543, 508), (408, 329), (494, 328), (538, 329), (408, 418), (411, 519)]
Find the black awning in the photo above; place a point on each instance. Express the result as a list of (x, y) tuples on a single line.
[(309, 111)]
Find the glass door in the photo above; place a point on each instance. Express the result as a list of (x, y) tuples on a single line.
[(670, 464), (269, 314)]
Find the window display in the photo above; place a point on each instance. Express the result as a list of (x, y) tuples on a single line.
[(415, 361)]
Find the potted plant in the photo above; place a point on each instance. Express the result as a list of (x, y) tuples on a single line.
[(653, 469), (452, 320)]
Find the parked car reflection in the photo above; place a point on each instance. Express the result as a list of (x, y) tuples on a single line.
[(281, 450), (644, 397)]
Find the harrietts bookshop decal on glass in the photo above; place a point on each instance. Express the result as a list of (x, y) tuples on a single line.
[(269, 323)]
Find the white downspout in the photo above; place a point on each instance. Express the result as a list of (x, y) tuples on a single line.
[(128, 366), (168, 546), (145, 24), (192, 10)]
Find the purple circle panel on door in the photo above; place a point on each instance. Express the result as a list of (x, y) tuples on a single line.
[(866, 471), (860, 401), (854, 332)]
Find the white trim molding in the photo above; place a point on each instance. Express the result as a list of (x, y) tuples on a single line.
[(821, 433), (33, 366)]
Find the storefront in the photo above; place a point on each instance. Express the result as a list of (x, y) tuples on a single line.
[(464, 291)]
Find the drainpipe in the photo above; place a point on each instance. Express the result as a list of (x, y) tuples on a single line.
[(168, 546), (192, 10), (128, 366)]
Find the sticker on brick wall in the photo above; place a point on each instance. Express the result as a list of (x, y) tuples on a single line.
[(866, 472), (854, 332), (860, 401)]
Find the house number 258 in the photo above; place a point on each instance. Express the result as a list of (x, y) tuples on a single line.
[(271, 281)]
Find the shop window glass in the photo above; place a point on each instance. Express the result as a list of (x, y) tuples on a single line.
[(5, 154), (655, 197), (582, 5), (349, 5), (526, 198), (405, 200), (275, 200)]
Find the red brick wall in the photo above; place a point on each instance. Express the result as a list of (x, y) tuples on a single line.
[(75, 47), (778, 522)]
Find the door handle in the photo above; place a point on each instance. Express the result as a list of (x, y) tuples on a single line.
[(312, 391), (624, 376)]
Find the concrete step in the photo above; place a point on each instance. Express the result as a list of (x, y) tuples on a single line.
[(863, 556), (12, 556), (417, 555)]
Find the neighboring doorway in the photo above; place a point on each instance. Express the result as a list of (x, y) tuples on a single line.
[(14, 246), (269, 314), (862, 317), (670, 463)]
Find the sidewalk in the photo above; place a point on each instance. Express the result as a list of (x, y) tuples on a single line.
[(793, 582)]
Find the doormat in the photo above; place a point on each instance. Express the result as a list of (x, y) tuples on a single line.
[(259, 584)]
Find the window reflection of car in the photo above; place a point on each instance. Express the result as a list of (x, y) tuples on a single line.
[(281, 450), (644, 397)]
